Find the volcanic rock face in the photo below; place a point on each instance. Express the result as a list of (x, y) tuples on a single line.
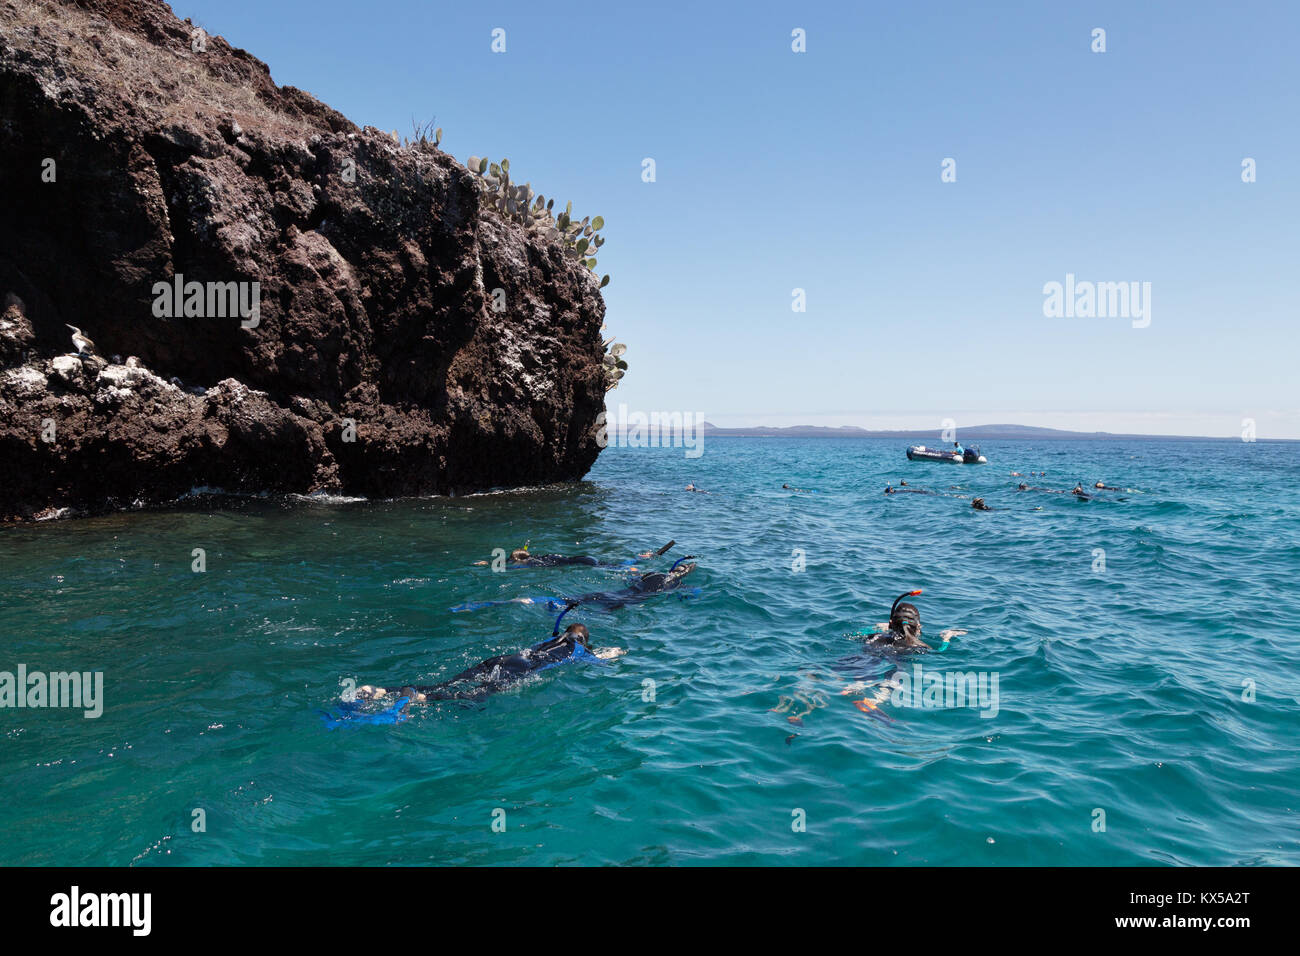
[(139, 158)]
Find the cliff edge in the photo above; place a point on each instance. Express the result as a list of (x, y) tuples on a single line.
[(278, 301)]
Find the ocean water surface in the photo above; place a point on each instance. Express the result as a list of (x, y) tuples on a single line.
[(1144, 646)]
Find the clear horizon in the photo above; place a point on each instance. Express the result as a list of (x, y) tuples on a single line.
[(821, 171)]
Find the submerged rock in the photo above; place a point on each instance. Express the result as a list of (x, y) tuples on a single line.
[(136, 150)]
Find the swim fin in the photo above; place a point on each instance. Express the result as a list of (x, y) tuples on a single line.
[(350, 712)]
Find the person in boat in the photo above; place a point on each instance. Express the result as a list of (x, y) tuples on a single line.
[(498, 673), (520, 558), (958, 450)]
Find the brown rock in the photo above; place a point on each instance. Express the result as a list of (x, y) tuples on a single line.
[(373, 293)]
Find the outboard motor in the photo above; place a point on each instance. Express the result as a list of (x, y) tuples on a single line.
[(971, 454)]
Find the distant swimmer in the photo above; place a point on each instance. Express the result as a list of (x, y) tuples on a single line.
[(696, 490), (1051, 491), (793, 488), (979, 505), (640, 588), (1105, 487), (498, 673), (521, 558), (1078, 492), (891, 490)]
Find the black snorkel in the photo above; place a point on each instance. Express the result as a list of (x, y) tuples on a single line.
[(664, 549), (893, 607)]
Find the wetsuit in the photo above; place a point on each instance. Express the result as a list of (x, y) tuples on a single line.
[(556, 560), (497, 673), (559, 560), (640, 588)]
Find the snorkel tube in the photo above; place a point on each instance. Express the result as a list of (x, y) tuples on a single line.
[(893, 607), (689, 557), (555, 631)]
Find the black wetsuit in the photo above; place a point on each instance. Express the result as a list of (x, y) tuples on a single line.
[(641, 588), (881, 659), (895, 641), (559, 560), (556, 560), (497, 673)]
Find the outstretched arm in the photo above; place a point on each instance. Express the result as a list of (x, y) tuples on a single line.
[(656, 554)]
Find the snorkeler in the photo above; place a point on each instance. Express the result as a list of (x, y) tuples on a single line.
[(498, 673), (979, 505), (902, 635), (639, 588), (891, 490), (692, 487), (1105, 487), (520, 558)]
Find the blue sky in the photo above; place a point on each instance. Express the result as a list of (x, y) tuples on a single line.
[(821, 170)]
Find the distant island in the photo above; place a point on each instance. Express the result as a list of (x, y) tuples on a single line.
[(971, 433)]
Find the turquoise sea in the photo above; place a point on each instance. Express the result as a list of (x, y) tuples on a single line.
[(1160, 691)]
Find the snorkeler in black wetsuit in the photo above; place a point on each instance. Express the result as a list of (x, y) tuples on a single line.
[(520, 558), (640, 588), (902, 636), (891, 490), (497, 673)]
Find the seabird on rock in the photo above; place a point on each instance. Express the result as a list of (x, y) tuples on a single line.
[(83, 344)]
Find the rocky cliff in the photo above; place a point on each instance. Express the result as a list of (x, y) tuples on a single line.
[(278, 300)]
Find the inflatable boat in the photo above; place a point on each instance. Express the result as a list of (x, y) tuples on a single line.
[(969, 456)]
